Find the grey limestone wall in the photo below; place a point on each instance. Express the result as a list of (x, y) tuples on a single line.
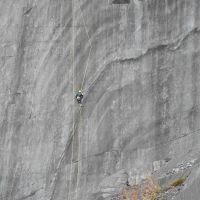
[(137, 63)]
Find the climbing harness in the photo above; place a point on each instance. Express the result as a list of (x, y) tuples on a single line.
[(79, 97)]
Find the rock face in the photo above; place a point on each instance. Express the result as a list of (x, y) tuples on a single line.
[(137, 63)]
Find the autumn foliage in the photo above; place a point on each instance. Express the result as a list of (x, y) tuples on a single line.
[(149, 190)]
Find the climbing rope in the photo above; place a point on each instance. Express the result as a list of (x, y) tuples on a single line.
[(75, 122), (78, 155), (79, 94), (75, 126), (85, 72)]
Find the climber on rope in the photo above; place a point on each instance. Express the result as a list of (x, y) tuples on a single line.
[(79, 97)]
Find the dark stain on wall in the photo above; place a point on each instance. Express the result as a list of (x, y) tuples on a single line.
[(121, 1)]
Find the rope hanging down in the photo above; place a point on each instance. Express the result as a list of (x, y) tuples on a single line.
[(79, 95), (71, 139), (89, 44)]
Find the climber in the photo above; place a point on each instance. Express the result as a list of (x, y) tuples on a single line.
[(79, 97)]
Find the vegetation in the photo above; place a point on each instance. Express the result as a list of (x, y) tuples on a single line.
[(149, 190), (178, 182)]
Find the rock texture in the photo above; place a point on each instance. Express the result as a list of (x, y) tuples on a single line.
[(137, 63)]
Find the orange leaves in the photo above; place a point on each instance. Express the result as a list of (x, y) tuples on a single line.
[(149, 190)]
